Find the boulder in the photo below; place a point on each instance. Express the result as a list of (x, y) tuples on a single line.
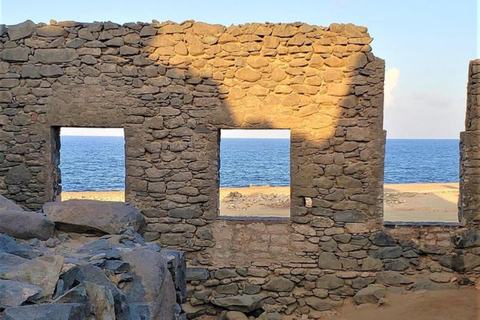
[(152, 282), (47, 311), (371, 294), (43, 272), (242, 303), (7, 204), (177, 265), (94, 216), (26, 225), (329, 281), (14, 293)]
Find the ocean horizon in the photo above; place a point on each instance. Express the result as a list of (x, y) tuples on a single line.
[(258, 162)]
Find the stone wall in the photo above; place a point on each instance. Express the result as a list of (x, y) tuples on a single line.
[(470, 152), (172, 87)]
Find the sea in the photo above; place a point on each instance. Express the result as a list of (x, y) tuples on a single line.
[(98, 163)]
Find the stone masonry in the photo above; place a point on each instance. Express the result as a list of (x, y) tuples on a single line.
[(172, 87)]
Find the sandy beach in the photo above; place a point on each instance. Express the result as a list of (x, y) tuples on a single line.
[(403, 202)]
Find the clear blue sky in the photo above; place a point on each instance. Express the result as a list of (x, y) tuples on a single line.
[(426, 43)]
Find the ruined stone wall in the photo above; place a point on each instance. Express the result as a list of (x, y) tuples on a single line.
[(469, 203), (172, 87)]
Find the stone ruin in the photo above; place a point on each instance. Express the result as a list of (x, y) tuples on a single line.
[(172, 87)]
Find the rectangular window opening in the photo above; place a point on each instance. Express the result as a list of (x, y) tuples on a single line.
[(255, 173), (421, 182), (92, 163)]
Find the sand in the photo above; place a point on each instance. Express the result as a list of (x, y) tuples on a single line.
[(435, 202)]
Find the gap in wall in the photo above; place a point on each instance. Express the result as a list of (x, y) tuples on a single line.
[(92, 163), (421, 181), (255, 173)]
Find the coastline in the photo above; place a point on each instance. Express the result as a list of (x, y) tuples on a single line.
[(403, 202)]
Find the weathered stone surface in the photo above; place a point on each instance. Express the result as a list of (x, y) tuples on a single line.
[(94, 216), (235, 315), (152, 282), (47, 311), (467, 239), (26, 225), (392, 278), (370, 294), (279, 285), (248, 74), (14, 293), (328, 260), (55, 55), (18, 54), (382, 239), (460, 263), (51, 31), (8, 245), (7, 204), (329, 281), (21, 30), (323, 304), (195, 274), (242, 303), (42, 272)]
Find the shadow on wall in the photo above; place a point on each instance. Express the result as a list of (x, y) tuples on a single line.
[(173, 86)]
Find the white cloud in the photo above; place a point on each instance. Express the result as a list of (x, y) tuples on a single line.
[(391, 80)]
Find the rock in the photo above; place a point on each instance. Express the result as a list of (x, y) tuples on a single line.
[(47, 311), (18, 175), (370, 263), (392, 278), (51, 71), (90, 273), (441, 277), (94, 216), (14, 293), (6, 204), (279, 285), (467, 239), (328, 260), (51, 31), (8, 245), (322, 304), (329, 281), (26, 225), (55, 55), (242, 303), (21, 30), (152, 282), (235, 315), (427, 284), (42, 272), (386, 252), (382, 239), (197, 274), (371, 294), (461, 262), (10, 260), (99, 298), (248, 74), (177, 266)]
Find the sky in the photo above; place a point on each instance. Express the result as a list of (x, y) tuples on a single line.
[(426, 44)]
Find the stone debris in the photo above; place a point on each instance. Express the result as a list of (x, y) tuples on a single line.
[(74, 276)]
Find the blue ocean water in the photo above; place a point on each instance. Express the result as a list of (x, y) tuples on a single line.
[(92, 163), (98, 163), (417, 161)]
